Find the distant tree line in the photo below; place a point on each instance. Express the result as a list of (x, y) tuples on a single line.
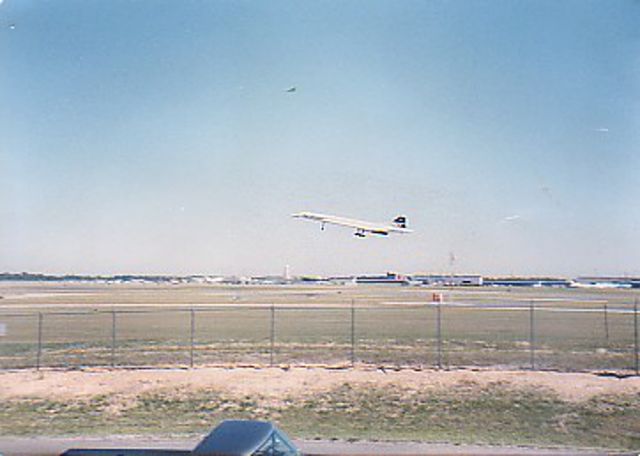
[(36, 277)]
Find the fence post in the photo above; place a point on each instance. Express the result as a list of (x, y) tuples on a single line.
[(606, 322), (439, 332), (192, 338), (39, 355), (532, 340), (113, 338), (272, 334), (635, 335), (353, 333)]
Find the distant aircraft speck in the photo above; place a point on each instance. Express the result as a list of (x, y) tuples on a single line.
[(512, 218), (291, 89)]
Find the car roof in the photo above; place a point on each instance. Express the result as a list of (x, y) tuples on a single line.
[(236, 438)]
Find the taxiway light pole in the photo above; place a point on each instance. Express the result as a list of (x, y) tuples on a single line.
[(113, 338), (192, 334), (353, 333), (635, 334), (39, 354), (532, 340), (272, 334)]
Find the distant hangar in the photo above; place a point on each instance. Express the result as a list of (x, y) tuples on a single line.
[(421, 279)]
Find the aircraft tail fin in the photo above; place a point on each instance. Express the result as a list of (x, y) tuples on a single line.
[(400, 221)]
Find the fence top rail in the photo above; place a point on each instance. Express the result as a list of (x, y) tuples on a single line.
[(301, 308), (598, 310), (19, 315), (158, 310)]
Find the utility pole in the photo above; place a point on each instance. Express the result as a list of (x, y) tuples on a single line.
[(635, 335), (192, 338), (39, 354), (353, 333), (272, 334), (532, 341), (606, 322), (439, 330), (113, 338)]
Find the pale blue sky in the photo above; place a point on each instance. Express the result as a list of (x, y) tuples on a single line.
[(156, 136)]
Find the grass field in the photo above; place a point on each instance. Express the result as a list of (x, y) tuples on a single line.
[(518, 417), (394, 327), (391, 326), (455, 407)]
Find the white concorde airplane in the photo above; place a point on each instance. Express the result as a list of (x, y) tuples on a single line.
[(399, 224)]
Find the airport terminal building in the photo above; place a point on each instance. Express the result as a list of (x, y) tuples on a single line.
[(469, 280)]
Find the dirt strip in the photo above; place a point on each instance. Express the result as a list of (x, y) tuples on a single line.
[(275, 383)]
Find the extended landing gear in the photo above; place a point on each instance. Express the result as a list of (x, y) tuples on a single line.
[(322, 227), (359, 233)]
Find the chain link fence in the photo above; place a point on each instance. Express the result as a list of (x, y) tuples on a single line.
[(435, 335)]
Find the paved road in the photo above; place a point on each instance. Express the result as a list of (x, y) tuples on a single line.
[(53, 446)]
